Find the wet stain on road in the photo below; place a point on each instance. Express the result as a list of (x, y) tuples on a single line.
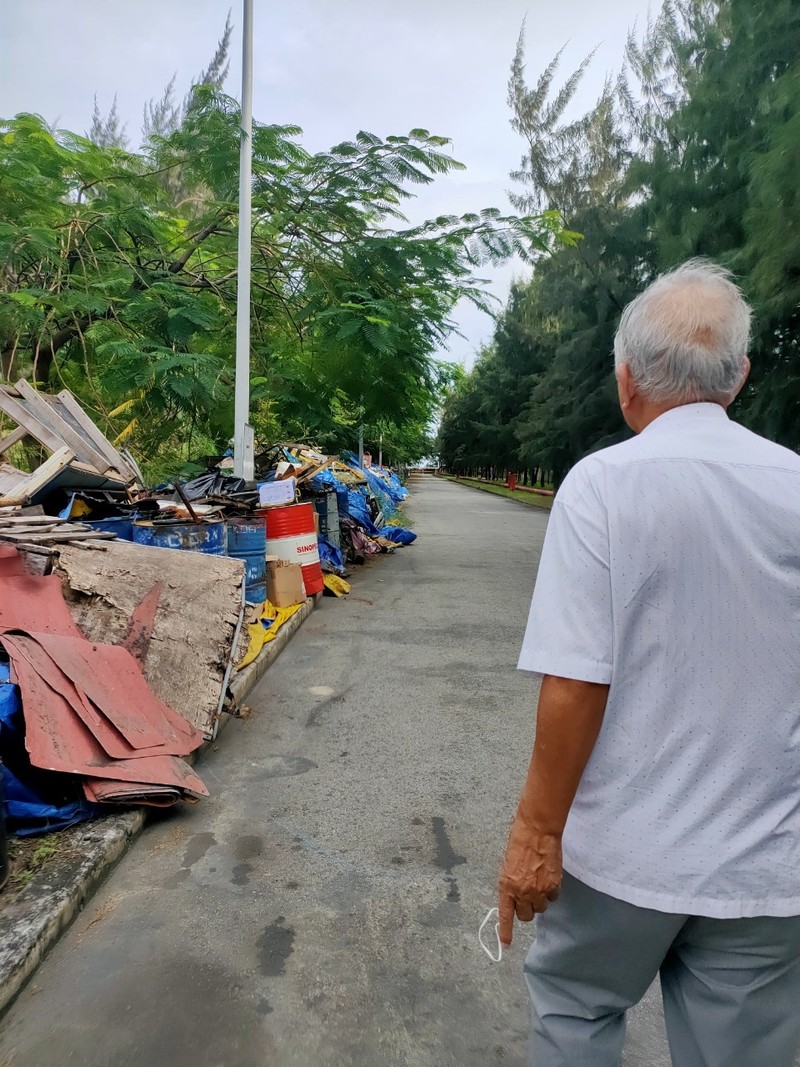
[(197, 848), (447, 858), (248, 847), (275, 946), (316, 712), (282, 767)]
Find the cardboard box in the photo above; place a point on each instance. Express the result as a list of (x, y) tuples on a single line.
[(284, 583), (272, 494)]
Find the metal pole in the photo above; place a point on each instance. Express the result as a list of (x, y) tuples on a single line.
[(242, 434), (380, 451), (361, 445)]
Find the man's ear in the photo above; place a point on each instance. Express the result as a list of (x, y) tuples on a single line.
[(626, 386), (744, 376)]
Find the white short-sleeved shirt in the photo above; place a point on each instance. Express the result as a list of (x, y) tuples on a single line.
[(671, 570)]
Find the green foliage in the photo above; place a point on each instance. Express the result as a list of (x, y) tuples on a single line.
[(111, 288), (693, 151)]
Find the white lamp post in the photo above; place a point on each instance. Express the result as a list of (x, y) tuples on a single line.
[(242, 431)]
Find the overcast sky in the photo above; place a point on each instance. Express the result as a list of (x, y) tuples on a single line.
[(331, 66)]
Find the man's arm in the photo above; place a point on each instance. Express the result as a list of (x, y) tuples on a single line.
[(568, 721)]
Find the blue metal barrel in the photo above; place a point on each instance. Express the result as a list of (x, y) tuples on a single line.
[(122, 526), (207, 537), (247, 541)]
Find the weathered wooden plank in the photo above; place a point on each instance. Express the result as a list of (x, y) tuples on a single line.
[(10, 478), (48, 537), (84, 450), (25, 418), (70, 405), (14, 528), (42, 476), (29, 520), (13, 439)]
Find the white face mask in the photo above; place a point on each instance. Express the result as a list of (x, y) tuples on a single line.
[(495, 958)]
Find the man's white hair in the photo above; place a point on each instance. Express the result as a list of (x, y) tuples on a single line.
[(685, 337)]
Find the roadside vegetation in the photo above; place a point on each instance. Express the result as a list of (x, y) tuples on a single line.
[(690, 151), (118, 276), (533, 499)]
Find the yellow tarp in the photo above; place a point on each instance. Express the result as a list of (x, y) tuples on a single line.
[(338, 586), (260, 634)]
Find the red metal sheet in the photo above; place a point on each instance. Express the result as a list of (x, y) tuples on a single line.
[(111, 740), (35, 605), (113, 680), (57, 740), (10, 562), (140, 628), (105, 791)]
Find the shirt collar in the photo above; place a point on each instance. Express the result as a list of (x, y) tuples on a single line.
[(687, 414)]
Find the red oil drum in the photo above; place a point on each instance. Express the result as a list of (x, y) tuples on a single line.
[(292, 535)]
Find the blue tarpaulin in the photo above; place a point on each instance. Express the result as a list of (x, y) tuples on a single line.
[(389, 490), (398, 535), (358, 509), (34, 802), (329, 554)]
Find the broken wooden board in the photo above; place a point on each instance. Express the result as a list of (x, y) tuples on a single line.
[(26, 488), (57, 422), (57, 535), (196, 625)]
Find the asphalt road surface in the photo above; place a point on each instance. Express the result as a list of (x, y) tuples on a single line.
[(321, 909)]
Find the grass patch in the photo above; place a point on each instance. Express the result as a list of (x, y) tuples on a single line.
[(27, 855), (401, 519), (531, 499)]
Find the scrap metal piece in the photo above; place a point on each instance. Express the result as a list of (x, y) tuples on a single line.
[(57, 740), (140, 629)]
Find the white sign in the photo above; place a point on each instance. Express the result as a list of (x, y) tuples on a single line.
[(277, 492)]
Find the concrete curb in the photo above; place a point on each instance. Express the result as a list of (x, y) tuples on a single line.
[(45, 908), (243, 682)]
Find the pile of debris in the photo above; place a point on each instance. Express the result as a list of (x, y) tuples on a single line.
[(116, 656), (87, 709)]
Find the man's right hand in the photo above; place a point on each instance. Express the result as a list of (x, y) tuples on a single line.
[(531, 875)]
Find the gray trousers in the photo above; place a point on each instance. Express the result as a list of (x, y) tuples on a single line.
[(731, 987)]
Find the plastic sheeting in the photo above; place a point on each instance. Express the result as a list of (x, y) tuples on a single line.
[(213, 482), (398, 535), (358, 509), (35, 802), (335, 585), (383, 484), (330, 556), (265, 629)]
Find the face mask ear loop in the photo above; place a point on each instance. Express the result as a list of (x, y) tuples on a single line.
[(489, 915)]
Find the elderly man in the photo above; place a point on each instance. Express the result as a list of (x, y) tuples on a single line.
[(666, 765)]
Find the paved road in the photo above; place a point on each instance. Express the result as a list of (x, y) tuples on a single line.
[(321, 909)]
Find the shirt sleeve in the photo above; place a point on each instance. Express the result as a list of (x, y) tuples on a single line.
[(569, 631)]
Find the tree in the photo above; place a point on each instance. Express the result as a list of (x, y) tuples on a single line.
[(720, 181), (162, 115), (542, 394), (111, 288), (107, 131), (691, 151)]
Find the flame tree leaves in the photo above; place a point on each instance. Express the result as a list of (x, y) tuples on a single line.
[(109, 286)]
